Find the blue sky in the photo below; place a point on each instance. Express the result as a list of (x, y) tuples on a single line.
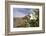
[(20, 12)]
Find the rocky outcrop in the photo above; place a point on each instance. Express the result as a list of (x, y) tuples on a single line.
[(22, 22)]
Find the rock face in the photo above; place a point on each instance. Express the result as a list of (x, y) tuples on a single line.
[(22, 22)]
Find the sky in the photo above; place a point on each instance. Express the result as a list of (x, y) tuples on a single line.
[(21, 12)]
